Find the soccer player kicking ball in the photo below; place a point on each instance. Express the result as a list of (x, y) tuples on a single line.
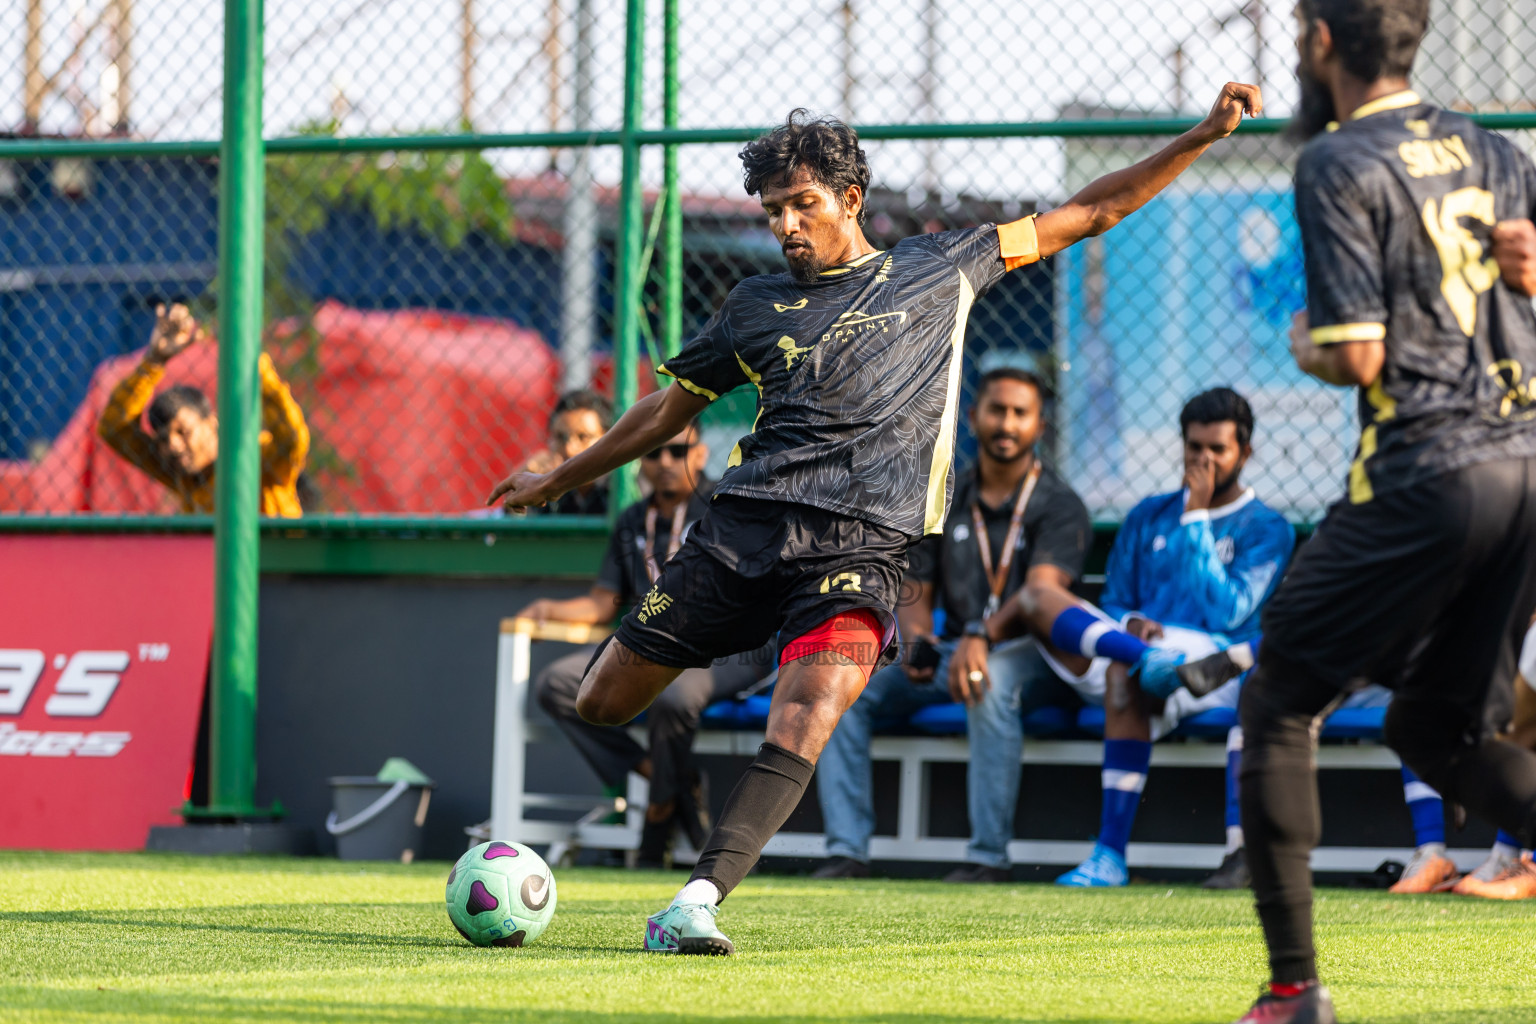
[(1421, 578), (856, 357)]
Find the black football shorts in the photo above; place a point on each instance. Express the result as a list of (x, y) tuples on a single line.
[(1427, 589), (753, 568)]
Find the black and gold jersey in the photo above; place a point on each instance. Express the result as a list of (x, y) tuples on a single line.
[(857, 374), (1396, 209)]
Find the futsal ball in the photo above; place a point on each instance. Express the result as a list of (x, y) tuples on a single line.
[(501, 894)]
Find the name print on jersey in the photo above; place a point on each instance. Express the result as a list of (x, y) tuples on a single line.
[(1427, 158), (853, 323)]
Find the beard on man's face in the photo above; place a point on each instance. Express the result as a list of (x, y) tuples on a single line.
[(1315, 109), (804, 262), (999, 449), (1225, 484)]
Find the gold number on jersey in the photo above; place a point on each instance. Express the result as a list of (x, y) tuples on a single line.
[(1467, 273)]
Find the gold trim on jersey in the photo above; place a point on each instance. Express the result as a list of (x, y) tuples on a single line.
[(688, 384), (853, 264), (1392, 101), (757, 382), (1335, 333), (1384, 408), (944, 444)]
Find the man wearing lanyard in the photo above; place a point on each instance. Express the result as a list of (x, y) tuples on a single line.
[(646, 535), (1189, 572), (1011, 521)]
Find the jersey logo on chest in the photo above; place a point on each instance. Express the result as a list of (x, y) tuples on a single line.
[(793, 351), (779, 307), (854, 323)]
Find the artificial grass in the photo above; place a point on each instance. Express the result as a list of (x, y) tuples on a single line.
[(146, 937)]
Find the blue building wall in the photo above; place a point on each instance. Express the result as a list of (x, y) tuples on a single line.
[(78, 278)]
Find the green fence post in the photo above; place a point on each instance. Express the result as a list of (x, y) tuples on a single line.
[(629, 287), (232, 709), (672, 254)]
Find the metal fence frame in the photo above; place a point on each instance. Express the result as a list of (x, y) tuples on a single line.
[(404, 543)]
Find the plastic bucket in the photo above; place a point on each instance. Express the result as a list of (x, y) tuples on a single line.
[(373, 820)]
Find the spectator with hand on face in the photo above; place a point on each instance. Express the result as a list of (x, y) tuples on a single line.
[(1012, 521), (181, 447), (1187, 578)]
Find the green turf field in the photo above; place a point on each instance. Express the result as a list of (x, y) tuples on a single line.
[(142, 937)]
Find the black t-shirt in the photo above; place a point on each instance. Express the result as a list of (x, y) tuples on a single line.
[(624, 568), (858, 377), (1396, 209), (575, 503), (1056, 532)]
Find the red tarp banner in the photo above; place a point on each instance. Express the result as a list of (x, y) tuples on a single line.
[(103, 652)]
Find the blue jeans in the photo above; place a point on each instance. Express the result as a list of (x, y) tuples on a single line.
[(1021, 683), (843, 772)]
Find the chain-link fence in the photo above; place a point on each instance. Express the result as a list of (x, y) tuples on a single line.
[(427, 306)]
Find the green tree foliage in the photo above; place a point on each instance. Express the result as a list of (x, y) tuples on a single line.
[(444, 195)]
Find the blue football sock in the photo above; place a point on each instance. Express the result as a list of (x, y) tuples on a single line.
[(1234, 812), (1426, 808), (1505, 839), (1125, 773), (1079, 631)]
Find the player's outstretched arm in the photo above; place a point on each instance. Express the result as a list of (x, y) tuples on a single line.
[(650, 422), (1112, 198)]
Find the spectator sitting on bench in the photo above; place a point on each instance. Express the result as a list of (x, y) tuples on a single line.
[(1011, 521), (183, 446), (645, 536), (1187, 577)]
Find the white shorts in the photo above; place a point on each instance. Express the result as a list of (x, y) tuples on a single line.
[(1528, 658), (1181, 704)]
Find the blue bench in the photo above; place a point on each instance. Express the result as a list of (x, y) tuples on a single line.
[(1054, 722)]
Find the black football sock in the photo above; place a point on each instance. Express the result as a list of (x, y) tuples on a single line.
[(1492, 779), (1281, 817), (757, 808)]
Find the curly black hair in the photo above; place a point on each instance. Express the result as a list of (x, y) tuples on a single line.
[(825, 146)]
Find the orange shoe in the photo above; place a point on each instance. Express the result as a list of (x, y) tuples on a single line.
[(1428, 868), (1492, 867), (1517, 881)]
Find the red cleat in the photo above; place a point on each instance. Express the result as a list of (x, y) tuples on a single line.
[(1312, 1005)]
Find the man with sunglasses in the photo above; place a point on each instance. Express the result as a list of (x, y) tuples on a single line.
[(856, 355), (646, 535)]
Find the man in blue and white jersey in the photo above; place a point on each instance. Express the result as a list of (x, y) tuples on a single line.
[(1187, 577)]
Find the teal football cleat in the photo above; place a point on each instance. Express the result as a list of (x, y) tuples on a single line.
[(687, 928), (1104, 869), (1157, 671)]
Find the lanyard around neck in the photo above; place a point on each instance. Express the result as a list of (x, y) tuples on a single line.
[(996, 581), (674, 539)]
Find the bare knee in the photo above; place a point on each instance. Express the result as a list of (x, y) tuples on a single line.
[(1032, 598), (1126, 714), (599, 705)]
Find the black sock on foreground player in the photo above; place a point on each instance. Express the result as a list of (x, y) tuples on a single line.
[(1278, 784), (1281, 817), (761, 803), (1492, 779)]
